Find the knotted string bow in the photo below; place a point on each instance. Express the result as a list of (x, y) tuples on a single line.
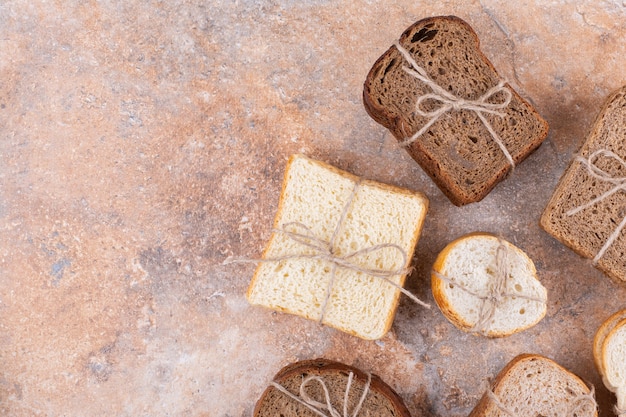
[(325, 250), (318, 407), (619, 184), (451, 102), (495, 293)]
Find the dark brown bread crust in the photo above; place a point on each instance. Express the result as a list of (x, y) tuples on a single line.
[(457, 152), (381, 401), (587, 231)]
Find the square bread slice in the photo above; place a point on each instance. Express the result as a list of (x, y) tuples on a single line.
[(457, 151), (324, 211), (367, 395), (533, 385), (588, 206)]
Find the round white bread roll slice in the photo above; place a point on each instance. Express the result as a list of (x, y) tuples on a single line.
[(598, 344), (614, 363), (486, 285)]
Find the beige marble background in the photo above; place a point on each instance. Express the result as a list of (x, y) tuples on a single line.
[(143, 142)]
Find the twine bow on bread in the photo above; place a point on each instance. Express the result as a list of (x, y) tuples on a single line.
[(318, 407), (451, 102), (619, 184), (496, 292), (575, 406), (325, 250)]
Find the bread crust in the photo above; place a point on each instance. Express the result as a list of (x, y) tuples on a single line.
[(397, 123), (601, 334), (319, 367), (616, 327), (553, 211), (387, 187), (438, 286), (486, 406)]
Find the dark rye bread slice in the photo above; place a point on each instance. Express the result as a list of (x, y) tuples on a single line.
[(457, 151), (533, 385), (587, 231), (381, 399)]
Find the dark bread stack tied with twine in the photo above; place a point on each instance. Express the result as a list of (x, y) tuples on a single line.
[(321, 387), (587, 211), (444, 101)]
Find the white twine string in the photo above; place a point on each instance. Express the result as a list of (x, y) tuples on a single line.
[(576, 405), (318, 407), (619, 412), (451, 102), (619, 184), (496, 293), (325, 250)]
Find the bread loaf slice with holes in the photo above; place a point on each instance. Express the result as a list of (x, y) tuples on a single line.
[(329, 203), (380, 400), (587, 231), (533, 385), (609, 353), (465, 271), (457, 151)]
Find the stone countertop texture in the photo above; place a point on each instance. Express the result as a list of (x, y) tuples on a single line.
[(143, 142)]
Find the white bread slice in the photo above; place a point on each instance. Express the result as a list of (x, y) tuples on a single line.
[(533, 385), (598, 343), (315, 194), (465, 272), (614, 362), (378, 398)]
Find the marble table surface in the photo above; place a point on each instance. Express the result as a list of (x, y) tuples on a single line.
[(143, 142)]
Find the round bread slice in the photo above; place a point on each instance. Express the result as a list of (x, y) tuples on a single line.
[(598, 342), (283, 398), (533, 385), (486, 285), (614, 362)]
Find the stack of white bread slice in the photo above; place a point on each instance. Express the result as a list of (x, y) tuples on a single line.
[(533, 385), (340, 250), (486, 285), (609, 354)]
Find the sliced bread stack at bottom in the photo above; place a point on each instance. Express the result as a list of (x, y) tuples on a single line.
[(609, 353), (321, 387), (533, 385)]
